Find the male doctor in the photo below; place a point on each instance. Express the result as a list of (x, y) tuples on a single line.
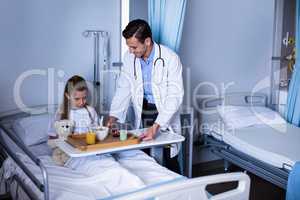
[(151, 79)]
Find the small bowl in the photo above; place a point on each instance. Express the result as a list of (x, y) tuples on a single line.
[(101, 132)]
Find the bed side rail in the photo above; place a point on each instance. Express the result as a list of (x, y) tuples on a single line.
[(236, 99), (24, 188), (43, 187), (194, 189)]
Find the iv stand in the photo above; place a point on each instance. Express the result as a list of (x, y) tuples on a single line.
[(96, 82)]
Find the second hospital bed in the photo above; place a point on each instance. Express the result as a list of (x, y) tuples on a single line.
[(241, 130), (28, 172)]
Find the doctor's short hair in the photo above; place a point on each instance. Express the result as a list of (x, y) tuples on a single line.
[(138, 28)]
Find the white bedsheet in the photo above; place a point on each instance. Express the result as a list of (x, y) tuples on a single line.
[(145, 167), (245, 116), (277, 145), (96, 176)]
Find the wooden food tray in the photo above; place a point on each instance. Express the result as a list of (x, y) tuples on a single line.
[(79, 142)]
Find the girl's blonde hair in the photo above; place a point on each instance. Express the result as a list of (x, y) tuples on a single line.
[(75, 83)]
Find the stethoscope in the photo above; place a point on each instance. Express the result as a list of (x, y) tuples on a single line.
[(156, 60)]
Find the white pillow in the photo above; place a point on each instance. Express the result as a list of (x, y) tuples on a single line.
[(33, 129), (242, 116)]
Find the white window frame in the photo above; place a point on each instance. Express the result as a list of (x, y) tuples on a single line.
[(125, 4)]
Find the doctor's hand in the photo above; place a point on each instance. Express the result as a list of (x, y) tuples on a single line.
[(111, 121), (150, 133)]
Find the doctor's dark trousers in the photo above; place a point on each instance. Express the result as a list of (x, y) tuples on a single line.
[(149, 115)]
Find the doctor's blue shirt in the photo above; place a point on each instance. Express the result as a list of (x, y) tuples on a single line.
[(147, 73)]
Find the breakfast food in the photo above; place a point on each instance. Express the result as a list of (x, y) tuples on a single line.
[(90, 138), (101, 132), (123, 135), (115, 132)]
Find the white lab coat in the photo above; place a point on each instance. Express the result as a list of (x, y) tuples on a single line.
[(167, 89)]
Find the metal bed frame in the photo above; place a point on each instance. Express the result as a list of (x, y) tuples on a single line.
[(42, 186), (277, 176), (186, 127), (187, 130)]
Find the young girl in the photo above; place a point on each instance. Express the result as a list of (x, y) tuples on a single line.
[(114, 171), (75, 107)]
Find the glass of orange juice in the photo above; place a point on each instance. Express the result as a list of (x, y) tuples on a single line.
[(90, 137)]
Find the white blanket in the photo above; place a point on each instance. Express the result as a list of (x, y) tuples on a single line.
[(94, 177), (145, 167)]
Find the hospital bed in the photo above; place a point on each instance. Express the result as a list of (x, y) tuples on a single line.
[(261, 141), (28, 173)]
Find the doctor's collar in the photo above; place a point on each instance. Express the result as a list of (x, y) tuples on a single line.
[(150, 57)]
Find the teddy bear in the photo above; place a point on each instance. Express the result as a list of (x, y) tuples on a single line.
[(63, 128)]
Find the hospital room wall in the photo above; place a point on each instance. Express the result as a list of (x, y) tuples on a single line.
[(47, 36), (226, 47), (138, 9), (227, 44)]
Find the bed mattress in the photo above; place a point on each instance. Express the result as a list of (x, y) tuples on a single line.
[(277, 145), (134, 170)]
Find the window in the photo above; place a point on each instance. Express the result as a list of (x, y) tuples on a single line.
[(124, 22)]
